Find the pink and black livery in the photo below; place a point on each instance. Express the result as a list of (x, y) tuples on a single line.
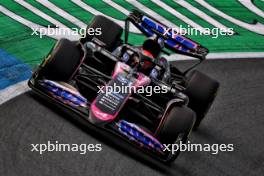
[(70, 75)]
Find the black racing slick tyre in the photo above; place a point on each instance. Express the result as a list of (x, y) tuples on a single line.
[(175, 127), (62, 62), (107, 31), (201, 91)]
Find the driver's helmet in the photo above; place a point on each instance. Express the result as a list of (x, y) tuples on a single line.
[(152, 48)]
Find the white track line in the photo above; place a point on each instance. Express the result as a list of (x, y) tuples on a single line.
[(20, 19), (48, 18), (200, 14), (179, 15), (13, 91), (257, 28), (34, 26), (220, 56), (62, 13), (96, 12), (117, 6), (40, 13), (248, 4)]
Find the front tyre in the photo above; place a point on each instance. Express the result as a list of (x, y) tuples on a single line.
[(62, 62), (174, 127), (201, 91), (110, 32)]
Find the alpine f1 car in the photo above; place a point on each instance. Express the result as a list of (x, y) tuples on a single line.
[(77, 76)]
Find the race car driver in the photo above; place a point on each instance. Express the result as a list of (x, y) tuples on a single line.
[(155, 66)]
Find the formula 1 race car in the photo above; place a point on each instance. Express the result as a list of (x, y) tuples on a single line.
[(81, 77)]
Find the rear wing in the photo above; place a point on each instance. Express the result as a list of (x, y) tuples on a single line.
[(174, 42)]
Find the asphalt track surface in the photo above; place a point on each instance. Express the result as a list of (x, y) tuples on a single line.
[(236, 117)]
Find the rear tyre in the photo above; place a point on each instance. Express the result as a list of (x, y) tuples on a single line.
[(201, 91), (62, 62), (175, 128), (110, 32)]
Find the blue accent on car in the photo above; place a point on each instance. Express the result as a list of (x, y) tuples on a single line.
[(138, 135), (66, 96), (148, 24), (12, 70)]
